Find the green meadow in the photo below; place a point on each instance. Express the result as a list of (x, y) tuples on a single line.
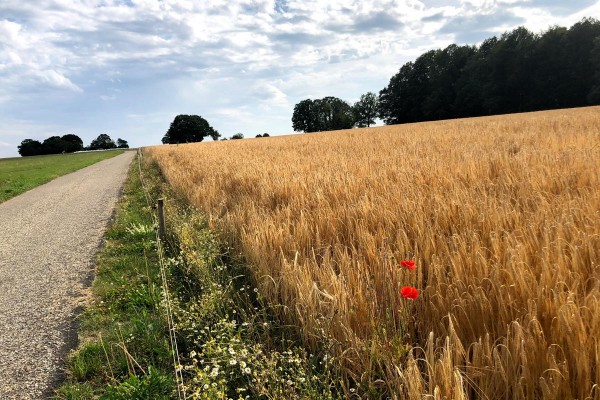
[(18, 175)]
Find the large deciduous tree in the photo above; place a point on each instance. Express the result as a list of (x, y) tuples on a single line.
[(326, 114), (189, 129), (594, 94), (304, 118), (334, 114), (365, 110), (53, 145), (102, 142), (72, 143), (30, 147)]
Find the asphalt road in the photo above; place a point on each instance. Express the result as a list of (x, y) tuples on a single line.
[(48, 239)]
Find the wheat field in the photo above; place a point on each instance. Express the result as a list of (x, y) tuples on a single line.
[(501, 215)]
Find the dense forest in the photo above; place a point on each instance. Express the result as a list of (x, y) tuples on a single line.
[(517, 72), (520, 71)]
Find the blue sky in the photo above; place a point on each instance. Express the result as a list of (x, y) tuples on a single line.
[(128, 67)]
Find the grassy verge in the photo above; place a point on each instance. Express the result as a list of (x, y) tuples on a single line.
[(230, 346), (124, 351), (18, 175)]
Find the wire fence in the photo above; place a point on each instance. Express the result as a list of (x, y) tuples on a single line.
[(159, 222)]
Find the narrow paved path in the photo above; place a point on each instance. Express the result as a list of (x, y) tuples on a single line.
[(48, 238)]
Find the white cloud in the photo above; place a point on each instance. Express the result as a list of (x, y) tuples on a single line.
[(269, 93), (57, 80)]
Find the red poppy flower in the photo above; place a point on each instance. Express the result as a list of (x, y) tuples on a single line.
[(409, 292), (408, 264)]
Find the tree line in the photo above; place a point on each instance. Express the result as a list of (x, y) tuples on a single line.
[(331, 113), (68, 144), (193, 128), (519, 71)]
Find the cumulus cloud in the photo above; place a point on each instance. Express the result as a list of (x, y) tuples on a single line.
[(474, 26), (56, 79), (270, 94), (560, 7)]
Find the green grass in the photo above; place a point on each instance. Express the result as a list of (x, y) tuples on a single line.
[(18, 175), (124, 351)]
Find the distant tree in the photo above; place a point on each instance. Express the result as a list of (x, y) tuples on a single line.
[(395, 105), (550, 63), (594, 94), (259, 135), (122, 144), (326, 114), (474, 84), (237, 136), (72, 143), (102, 142), (30, 147), (581, 42), (53, 145), (266, 135), (334, 114), (447, 68), (365, 110), (305, 117), (511, 72), (189, 129)]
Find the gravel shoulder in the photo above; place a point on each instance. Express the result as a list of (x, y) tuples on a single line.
[(48, 238)]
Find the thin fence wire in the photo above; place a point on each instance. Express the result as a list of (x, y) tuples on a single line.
[(166, 294)]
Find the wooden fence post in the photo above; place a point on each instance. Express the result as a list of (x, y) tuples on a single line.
[(161, 220)]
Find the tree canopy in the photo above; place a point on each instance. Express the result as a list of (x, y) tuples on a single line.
[(68, 143), (365, 110), (326, 114), (72, 143), (520, 71), (102, 142), (53, 145), (189, 129), (122, 144), (30, 147)]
